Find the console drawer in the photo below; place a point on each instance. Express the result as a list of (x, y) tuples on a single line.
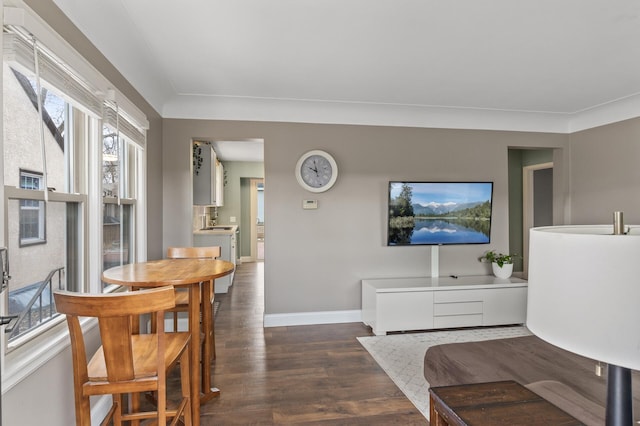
[(457, 296), (457, 321), (460, 308)]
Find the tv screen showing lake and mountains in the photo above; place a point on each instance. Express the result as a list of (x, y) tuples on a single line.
[(439, 213)]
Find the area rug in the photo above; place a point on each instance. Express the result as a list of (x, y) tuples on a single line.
[(401, 356)]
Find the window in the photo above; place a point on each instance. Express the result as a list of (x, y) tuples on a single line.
[(73, 152), (30, 180), (50, 140), (121, 156), (45, 232), (31, 211), (55, 199)]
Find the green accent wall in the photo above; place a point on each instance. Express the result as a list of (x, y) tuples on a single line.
[(519, 158), (245, 197), (237, 201)]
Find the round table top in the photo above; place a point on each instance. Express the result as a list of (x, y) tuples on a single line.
[(175, 272)]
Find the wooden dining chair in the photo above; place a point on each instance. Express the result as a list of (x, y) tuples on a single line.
[(126, 363), (182, 296)]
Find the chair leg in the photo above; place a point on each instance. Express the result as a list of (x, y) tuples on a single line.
[(117, 409), (83, 410), (134, 404), (162, 403), (185, 378)]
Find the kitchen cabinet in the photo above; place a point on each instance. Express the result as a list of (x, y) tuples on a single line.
[(225, 237), (208, 176), (219, 183)]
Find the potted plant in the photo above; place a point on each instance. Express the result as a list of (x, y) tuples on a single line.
[(501, 264)]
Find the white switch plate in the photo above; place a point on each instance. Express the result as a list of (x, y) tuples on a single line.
[(232, 219), (309, 204)]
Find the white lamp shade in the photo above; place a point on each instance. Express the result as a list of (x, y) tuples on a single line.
[(584, 291)]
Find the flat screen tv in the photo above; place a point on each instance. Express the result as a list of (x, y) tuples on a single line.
[(439, 213)]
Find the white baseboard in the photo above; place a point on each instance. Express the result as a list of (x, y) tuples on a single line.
[(312, 318)]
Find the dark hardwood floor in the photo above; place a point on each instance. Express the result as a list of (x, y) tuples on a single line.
[(316, 374)]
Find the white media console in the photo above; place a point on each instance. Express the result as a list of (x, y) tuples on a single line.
[(403, 304)]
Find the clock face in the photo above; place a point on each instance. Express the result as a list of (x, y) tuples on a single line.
[(316, 171)]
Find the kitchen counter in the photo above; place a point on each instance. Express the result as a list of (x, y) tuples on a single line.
[(217, 230), (225, 237)]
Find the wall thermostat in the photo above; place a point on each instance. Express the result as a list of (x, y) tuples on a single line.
[(309, 204)]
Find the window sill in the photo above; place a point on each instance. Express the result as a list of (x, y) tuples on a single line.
[(27, 242), (28, 358)]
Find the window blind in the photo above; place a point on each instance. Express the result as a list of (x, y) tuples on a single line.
[(19, 52), (118, 119), (54, 74)]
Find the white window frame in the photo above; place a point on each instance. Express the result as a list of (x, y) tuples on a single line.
[(27, 358)]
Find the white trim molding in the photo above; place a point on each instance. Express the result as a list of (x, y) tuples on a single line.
[(312, 318), (425, 116)]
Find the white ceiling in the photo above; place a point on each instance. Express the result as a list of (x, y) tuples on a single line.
[(240, 150), (543, 65)]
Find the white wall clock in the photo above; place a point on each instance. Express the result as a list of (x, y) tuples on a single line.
[(316, 171)]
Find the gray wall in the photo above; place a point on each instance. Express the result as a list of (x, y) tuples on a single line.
[(315, 259), (605, 176)]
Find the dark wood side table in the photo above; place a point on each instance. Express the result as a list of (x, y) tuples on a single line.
[(494, 403)]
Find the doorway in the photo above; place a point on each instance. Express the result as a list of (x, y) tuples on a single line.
[(257, 219), (537, 202)]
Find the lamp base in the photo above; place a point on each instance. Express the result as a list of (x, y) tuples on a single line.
[(619, 401)]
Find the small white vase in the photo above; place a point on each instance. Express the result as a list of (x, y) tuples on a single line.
[(504, 272)]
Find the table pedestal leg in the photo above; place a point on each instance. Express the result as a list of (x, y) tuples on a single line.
[(207, 323), (194, 328)]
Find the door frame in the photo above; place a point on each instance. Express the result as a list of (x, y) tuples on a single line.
[(527, 208), (253, 191)]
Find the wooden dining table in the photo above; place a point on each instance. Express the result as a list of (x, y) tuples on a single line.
[(189, 273)]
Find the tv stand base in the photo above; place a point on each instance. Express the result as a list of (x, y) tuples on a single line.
[(424, 303)]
